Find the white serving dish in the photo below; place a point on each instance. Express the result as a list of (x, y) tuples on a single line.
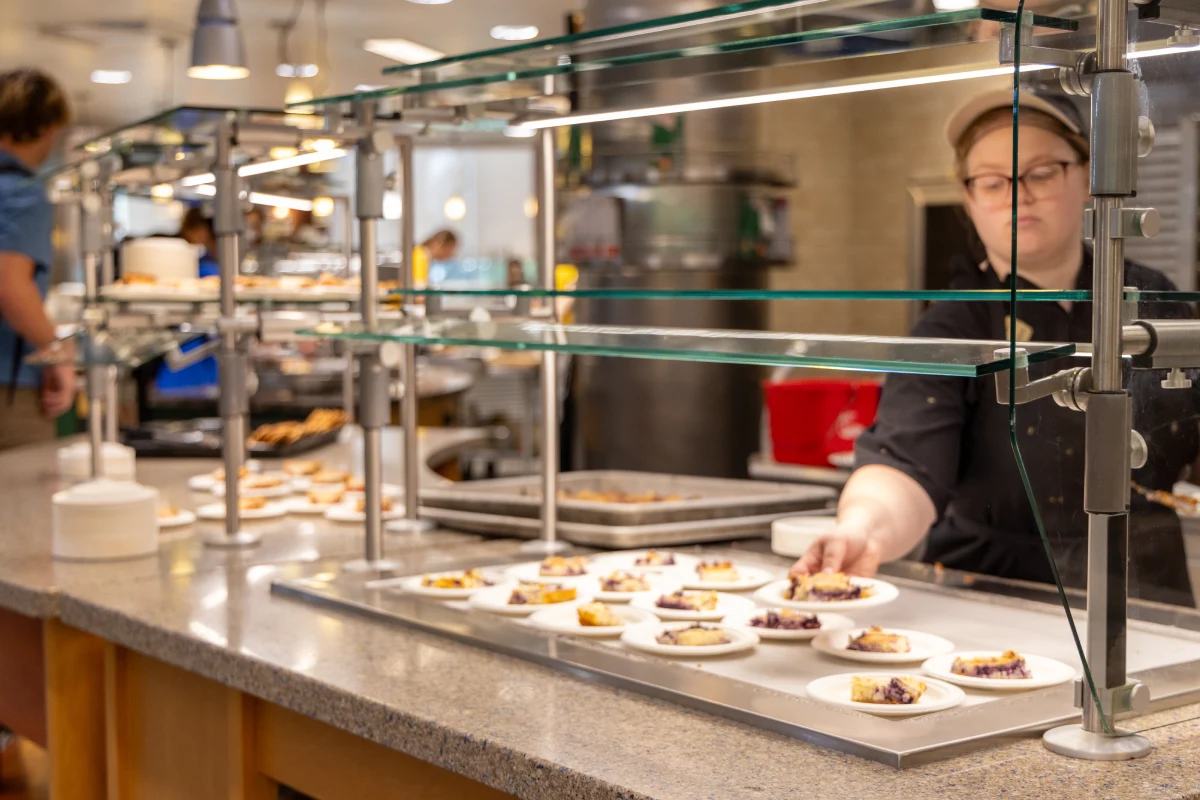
[(922, 646), (105, 519), (645, 638)]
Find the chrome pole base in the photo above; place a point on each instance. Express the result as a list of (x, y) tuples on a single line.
[(362, 565), (541, 546), (410, 526), (238, 541), (1073, 741)]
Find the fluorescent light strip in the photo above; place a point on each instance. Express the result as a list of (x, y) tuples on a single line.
[(268, 166), (1162, 51), (281, 201), (208, 190), (775, 97)]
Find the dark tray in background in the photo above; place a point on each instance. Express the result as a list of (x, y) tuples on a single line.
[(201, 438)]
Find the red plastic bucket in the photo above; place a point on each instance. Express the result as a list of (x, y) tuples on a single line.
[(812, 419)]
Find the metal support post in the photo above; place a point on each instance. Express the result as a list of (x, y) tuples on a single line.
[(1109, 413), (410, 401), (90, 213), (232, 361), (373, 374), (547, 261)]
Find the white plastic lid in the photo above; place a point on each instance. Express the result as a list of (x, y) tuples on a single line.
[(105, 492)]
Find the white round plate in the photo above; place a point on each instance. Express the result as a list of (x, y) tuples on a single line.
[(748, 578), (792, 536), (924, 646), (1046, 672), (726, 604), (772, 595), (412, 585), (835, 689), (565, 620), (202, 483), (184, 517), (626, 561), (301, 505), (842, 460), (301, 482), (658, 584), (495, 600), (829, 622), (644, 638), (345, 512), (217, 511), (388, 489), (531, 573)]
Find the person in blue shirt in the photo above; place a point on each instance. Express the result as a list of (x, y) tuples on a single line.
[(197, 229), (33, 112)]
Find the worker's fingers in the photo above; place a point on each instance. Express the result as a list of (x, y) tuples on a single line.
[(833, 555)]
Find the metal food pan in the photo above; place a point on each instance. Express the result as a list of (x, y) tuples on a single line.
[(663, 534), (706, 498)]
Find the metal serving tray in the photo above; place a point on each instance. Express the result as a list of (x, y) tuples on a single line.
[(765, 688), (710, 498), (663, 534)]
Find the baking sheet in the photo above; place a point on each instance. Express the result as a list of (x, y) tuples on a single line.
[(707, 498), (608, 536)]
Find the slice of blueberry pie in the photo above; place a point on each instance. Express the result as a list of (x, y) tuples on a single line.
[(825, 587), (624, 582), (1009, 665), (694, 636), (901, 691), (653, 558), (721, 571), (688, 601), (541, 594), (560, 567), (785, 619), (877, 640)]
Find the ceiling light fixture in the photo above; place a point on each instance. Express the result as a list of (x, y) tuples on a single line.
[(297, 70), (429, 2), (279, 201), (319, 145), (162, 191), (1162, 51), (455, 208), (111, 76), (197, 180), (261, 167), (208, 190), (284, 152), (738, 100), (402, 50), (955, 5), (322, 206), (514, 33), (218, 53)]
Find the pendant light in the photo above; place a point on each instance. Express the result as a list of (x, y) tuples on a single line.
[(217, 49)]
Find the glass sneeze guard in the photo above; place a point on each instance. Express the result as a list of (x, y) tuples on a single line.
[(488, 80), (950, 357), (931, 295), (119, 348)]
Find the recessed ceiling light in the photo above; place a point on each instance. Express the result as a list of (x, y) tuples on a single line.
[(322, 206), (283, 152), (514, 33), (455, 208), (430, 2), (402, 50), (162, 191), (113, 76)]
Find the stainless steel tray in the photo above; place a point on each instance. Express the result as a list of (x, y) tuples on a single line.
[(766, 688), (709, 498), (662, 534)]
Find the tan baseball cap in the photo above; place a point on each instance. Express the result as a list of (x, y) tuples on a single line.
[(974, 108)]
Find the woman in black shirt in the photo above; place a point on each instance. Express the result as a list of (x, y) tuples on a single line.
[(938, 460)]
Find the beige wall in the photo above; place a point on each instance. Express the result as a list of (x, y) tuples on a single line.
[(855, 157)]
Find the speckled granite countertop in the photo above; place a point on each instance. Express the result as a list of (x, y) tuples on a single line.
[(510, 724)]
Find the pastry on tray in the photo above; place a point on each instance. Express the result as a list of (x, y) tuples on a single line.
[(598, 615), (299, 467), (330, 476), (597, 496), (722, 571), (624, 582), (877, 640), (899, 691), (355, 484), (325, 497), (541, 594), (563, 567), (251, 503), (1009, 665), (167, 512), (653, 558), (694, 636), (470, 579), (262, 482), (218, 474), (786, 620), (688, 601), (825, 587), (385, 504)]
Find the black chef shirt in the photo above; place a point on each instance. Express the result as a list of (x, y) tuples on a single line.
[(952, 437)]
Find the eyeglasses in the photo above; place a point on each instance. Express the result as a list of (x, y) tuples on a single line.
[(1040, 183)]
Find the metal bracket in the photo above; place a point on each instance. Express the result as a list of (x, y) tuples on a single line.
[(1125, 223), (1075, 68), (177, 359), (1069, 387)]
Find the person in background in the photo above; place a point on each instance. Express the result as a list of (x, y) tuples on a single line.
[(441, 246), (937, 464), (33, 113), (516, 273), (197, 229)]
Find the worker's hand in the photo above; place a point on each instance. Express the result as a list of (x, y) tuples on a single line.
[(58, 390), (843, 549)]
